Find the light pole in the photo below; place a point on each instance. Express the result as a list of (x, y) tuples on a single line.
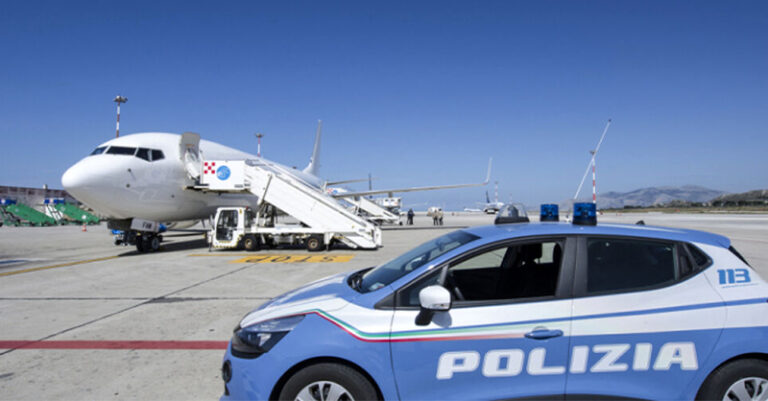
[(259, 135), (119, 99)]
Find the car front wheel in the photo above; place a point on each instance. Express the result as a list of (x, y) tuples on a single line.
[(741, 380), (328, 382)]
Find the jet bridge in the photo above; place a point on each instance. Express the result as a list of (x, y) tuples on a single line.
[(282, 188)]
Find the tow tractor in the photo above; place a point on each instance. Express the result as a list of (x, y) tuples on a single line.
[(251, 230)]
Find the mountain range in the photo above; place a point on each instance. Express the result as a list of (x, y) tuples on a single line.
[(651, 196)]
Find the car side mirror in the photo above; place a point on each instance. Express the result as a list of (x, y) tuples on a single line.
[(434, 298)]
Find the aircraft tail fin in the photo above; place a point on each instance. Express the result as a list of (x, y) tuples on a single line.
[(314, 163)]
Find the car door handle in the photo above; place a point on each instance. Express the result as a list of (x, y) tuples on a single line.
[(543, 334)]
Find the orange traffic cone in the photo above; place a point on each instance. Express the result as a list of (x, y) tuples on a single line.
[(84, 230)]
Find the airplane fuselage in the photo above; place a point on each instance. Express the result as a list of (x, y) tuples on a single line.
[(144, 176)]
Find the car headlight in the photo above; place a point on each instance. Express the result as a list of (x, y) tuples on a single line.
[(254, 340)]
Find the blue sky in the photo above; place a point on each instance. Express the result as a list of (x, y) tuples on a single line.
[(416, 93)]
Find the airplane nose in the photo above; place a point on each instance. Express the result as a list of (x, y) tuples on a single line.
[(73, 178), (80, 179)]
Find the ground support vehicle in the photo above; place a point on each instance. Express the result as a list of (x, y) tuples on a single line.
[(238, 228), (320, 218), (529, 310)]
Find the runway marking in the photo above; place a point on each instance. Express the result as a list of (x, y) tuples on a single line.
[(282, 258), (10, 261), (101, 344), (34, 269), (219, 254)]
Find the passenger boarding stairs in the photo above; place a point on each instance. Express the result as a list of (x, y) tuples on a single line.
[(285, 190), (276, 185), (54, 213), (7, 218), (372, 210)]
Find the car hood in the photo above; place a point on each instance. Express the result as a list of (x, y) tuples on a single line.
[(326, 294)]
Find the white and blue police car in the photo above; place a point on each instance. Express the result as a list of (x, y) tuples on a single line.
[(530, 310)]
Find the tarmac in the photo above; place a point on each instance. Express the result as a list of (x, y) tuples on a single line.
[(84, 319)]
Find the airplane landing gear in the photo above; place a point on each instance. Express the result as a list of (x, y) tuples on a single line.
[(143, 234), (148, 243)]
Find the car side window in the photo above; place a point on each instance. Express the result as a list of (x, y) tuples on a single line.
[(629, 264), (509, 272)]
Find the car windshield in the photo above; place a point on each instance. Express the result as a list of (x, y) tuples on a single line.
[(394, 269)]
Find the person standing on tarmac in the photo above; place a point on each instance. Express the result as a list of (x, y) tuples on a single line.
[(410, 217), (440, 217)]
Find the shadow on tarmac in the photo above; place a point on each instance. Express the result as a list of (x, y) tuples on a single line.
[(175, 246)]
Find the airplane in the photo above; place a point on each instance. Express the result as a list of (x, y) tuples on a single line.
[(495, 206), (139, 181)]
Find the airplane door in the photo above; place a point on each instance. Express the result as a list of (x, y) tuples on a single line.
[(189, 152), (507, 332)]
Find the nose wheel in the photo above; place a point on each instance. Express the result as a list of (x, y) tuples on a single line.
[(148, 243)]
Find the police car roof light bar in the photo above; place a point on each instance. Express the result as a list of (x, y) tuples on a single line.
[(584, 214), (549, 212)]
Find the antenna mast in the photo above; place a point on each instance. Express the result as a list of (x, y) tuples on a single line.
[(591, 165)]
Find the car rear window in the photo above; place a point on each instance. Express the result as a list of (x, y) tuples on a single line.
[(699, 257), (629, 264)]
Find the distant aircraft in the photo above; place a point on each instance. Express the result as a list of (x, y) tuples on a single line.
[(144, 178), (495, 206)]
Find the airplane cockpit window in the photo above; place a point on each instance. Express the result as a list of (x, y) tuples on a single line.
[(143, 153), (98, 150), (149, 155), (121, 150), (157, 155)]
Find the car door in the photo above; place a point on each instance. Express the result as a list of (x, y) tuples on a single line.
[(643, 319), (506, 333)]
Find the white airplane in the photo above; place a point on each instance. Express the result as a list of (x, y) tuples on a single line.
[(142, 179), (492, 207)]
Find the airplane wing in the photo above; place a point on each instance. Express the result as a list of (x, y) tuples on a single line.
[(328, 183), (415, 189)]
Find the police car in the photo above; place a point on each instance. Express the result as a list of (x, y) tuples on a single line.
[(544, 310)]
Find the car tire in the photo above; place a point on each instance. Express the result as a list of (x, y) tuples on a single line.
[(328, 381), (315, 243), (746, 377), (250, 243)]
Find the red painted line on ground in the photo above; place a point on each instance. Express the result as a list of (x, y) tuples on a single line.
[(100, 344)]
